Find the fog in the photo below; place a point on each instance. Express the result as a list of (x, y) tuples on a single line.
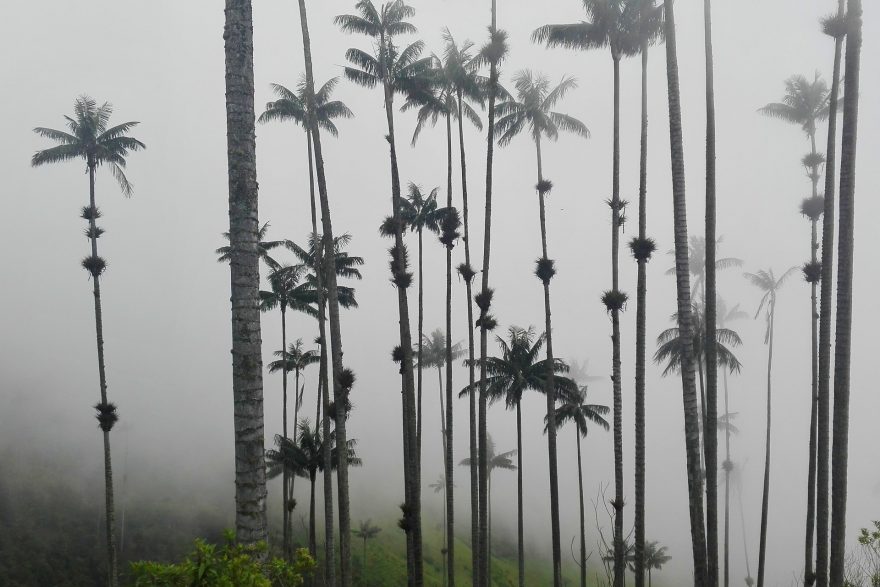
[(166, 298)]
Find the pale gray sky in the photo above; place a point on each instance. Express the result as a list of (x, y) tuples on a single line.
[(166, 299)]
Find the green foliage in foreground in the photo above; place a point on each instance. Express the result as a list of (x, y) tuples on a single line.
[(231, 565)]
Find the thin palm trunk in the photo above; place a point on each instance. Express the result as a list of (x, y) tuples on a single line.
[(444, 444), (710, 429), (520, 536), (641, 334), (472, 395), (619, 554), (329, 267), (285, 478), (727, 466), (483, 574), (742, 520), (449, 496), (297, 399), (583, 559), (313, 541), (412, 466), (843, 343), (689, 393), (247, 364), (549, 389), (824, 383), (765, 500), (421, 321), (110, 510), (410, 574)]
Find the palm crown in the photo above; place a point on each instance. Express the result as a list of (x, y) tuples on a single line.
[(434, 350), (346, 265), (288, 293), (493, 460), (575, 409), (224, 253), (805, 103), (293, 106), (89, 138), (670, 346), (611, 23), (532, 108), (295, 358), (769, 284)]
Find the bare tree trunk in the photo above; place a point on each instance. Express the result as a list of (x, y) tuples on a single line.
[(449, 492), (472, 395), (247, 361), (583, 559), (520, 538), (710, 429), (843, 344), (765, 501), (549, 384), (824, 384), (689, 392), (641, 335), (421, 322), (313, 541), (728, 465), (285, 479)]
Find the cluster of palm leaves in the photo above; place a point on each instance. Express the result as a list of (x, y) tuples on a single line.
[(451, 87)]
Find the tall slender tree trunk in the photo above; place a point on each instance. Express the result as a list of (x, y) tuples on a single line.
[(410, 564), (619, 550), (444, 444), (727, 467), (483, 576), (641, 334), (843, 343), (520, 536), (297, 400), (710, 429), (449, 494), (549, 384), (472, 395), (104, 406), (329, 268), (765, 500), (583, 552), (313, 541), (809, 576), (682, 272), (824, 383), (247, 360), (285, 477), (413, 466), (742, 520), (421, 321)]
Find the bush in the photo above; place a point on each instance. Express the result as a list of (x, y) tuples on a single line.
[(231, 565)]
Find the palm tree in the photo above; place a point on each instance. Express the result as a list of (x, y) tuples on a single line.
[(461, 76), (642, 247), (516, 371), (532, 109), (397, 71), (491, 54), (494, 461), (434, 356), (88, 137), (697, 265), (769, 284), (843, 343), (612, 24), (574, 409), (366, 531), (439, 486), (286, 293), (835, 26), (654, 557), (224, 253), (683, 288), (725, 316), (806, 103)]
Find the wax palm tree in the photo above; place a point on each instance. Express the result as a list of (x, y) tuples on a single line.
[(494, 461), (533, 109), (683, 288), (697, 265), (463, 81), (439, 486), (769, 285), (224, 253), (576, 410), (397, 71), (727, 315), (843, 342), (89, 137), (612, 24), (434, 356), (516, 371), (287, 293), (366, 531), (491, 54), (836, 27), (806, 103), (654, 557), (649, 31), (341, 376)]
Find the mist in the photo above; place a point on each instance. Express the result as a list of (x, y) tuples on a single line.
[(166, 298)]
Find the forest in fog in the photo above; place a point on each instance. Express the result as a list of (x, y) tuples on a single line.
[(438, 292)]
